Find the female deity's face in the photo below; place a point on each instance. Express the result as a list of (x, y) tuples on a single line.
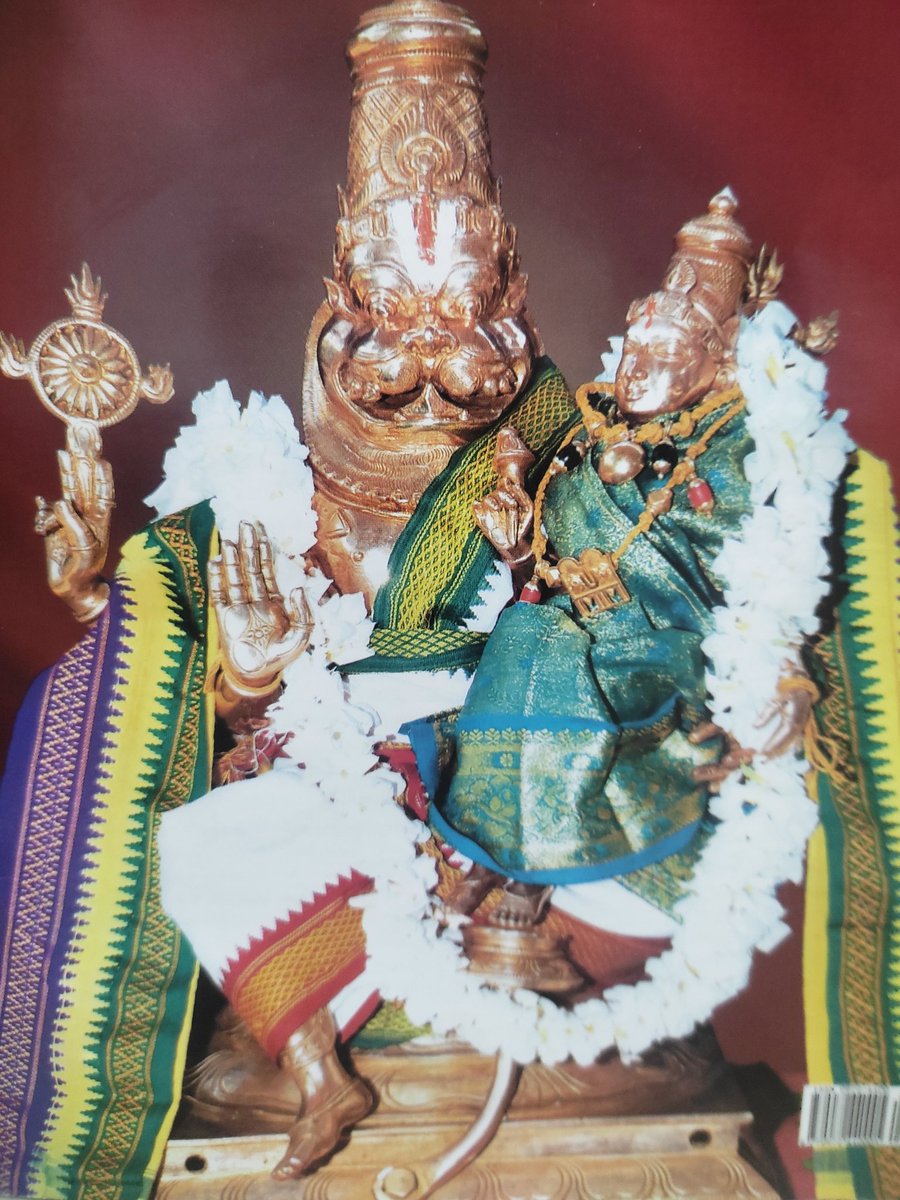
[(429, 325), (664, 369)]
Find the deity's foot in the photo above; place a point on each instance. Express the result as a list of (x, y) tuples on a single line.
[(521, 905), (333, 1100), (316, 1134), (469, 893)]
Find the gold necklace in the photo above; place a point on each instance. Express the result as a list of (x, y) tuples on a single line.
[(592, 579)]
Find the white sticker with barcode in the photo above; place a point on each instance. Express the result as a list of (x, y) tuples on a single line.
[(850, 1114)]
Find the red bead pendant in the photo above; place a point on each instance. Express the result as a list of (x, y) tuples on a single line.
[(530, 593), (701, 496)]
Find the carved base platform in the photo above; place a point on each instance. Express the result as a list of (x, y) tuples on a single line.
[(651, 1158), (667, 1127)]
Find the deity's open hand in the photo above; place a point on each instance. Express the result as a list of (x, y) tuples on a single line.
[(505, 517), (259, 633), (76, 529)]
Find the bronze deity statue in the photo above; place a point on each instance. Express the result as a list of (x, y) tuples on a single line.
[(424, 338), (679, 347), (422, 342)]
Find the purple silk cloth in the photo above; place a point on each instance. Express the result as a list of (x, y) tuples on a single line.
[(52, 786)]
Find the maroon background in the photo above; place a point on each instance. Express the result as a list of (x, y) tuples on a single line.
[(190, 153)]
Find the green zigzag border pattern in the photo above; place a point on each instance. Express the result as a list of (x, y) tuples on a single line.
[(103, 1161)]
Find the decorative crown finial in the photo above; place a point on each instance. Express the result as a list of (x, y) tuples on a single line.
[(86, 295)]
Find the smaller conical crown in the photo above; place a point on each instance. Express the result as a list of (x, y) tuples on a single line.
[(706, 277), (717, 231), (711, 260)]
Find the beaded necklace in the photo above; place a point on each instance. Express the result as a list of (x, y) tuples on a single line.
[(592, 580)]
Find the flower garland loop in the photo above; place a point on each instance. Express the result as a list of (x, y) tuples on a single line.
[(776, 574)]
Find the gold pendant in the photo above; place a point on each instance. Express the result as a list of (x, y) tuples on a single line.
[(593, 582)]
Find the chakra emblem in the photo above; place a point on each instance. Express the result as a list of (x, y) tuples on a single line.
[(82, 369), (88, 372)]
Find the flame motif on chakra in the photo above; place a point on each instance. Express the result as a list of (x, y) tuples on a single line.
[(86, 372)]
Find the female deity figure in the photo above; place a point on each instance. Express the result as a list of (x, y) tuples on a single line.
[(584, 748)]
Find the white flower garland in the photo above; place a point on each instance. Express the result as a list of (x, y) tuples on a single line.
[(775, 573)]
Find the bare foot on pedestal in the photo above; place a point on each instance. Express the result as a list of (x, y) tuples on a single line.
[(316, 1134), (333, 1100), (521, 906)]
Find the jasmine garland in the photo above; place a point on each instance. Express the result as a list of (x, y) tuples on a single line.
[(775, 574)]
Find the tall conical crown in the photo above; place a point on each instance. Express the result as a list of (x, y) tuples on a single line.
[(417, 121)]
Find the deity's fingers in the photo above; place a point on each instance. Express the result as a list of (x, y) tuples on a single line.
[(103, 490), (233, 577), (780, 742), (267, 565), (498, 512), (483, 513), (78, 533), (736, 756), (711, 772), (44, 518), (520, 503), (300, 628), (250, 565), (67, 477), (714, 773), (772, 710), (793, 714), (301, 614), (703, 732), (216, 582)]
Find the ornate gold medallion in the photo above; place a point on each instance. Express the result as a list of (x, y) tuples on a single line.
[(593, 582)]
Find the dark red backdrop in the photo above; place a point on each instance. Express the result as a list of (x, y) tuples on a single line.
[(190, 153)]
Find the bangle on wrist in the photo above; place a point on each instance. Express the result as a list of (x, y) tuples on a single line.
[(246, 691), (798, 683), (88, 607)]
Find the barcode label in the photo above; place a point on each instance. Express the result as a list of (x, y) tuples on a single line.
[(850, 1114)]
